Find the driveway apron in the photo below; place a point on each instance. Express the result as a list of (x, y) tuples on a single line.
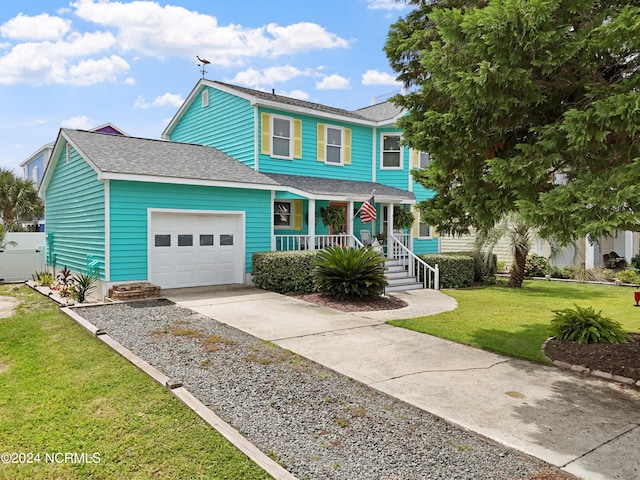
[(588, 427)]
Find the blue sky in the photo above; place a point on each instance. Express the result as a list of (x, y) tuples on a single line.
[(84, 63)]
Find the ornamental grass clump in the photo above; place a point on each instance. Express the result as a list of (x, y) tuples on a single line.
[(349, 273), (585, 325)]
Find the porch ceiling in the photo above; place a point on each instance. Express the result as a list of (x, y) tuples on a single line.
[(333, 189)]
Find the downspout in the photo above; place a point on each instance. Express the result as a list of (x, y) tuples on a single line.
[(256, 158)]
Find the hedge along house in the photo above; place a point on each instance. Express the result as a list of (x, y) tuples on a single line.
[(254, 174)]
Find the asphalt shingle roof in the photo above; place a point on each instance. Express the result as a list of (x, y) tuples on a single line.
[(141, 156), (296, 103), (332, 186), (380, 111)]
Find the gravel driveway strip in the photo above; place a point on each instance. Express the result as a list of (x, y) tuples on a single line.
[(315, 422)]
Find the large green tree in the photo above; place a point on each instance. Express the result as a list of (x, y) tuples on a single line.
[(524, 105), (19, 201)]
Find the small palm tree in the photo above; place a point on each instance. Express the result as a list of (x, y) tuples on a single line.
[(18, 200), (518, 234)]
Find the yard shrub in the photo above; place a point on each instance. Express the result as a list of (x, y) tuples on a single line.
[(536, 266), (284, 272), (481, 269), (348, 273), (628, 276), (559, 272), (456, 270), (585, 325)]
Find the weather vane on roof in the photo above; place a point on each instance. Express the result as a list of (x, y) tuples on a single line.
[(203, 62)]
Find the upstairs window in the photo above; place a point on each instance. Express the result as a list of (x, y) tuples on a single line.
[(425, 159), (334, 146), (281, 137), (391, 151)]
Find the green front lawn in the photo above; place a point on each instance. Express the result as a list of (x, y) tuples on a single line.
[(515, 321), (64, 392)]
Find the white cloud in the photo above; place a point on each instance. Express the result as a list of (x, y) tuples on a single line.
[(376, 77), (268, 76), (47, 62), (81, 122), (40, 27), (90, 72), (166, 100), (162, 31), (299, 94), (333, 82), (386, 5)]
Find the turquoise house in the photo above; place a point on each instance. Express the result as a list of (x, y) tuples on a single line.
[(238, 171)]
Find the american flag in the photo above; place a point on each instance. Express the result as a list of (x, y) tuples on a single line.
[(368, 211)]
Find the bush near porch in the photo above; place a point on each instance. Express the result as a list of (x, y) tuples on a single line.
[(285, 271), (456, 270)]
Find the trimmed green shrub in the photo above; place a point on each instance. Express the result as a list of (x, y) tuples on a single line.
[(536, 266), (284, 272), (559, 272), (348, 273), (585, 325), (481, 270), (628, 276), (456, 271)]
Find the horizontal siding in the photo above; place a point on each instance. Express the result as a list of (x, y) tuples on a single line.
[(130, 201), (393, 178), (226, 124), (74, 214), (308, 165), (425, 246)]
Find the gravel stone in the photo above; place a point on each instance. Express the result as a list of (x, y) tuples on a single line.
[(316, 423)]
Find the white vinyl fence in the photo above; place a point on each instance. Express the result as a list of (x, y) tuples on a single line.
[(18, 262)]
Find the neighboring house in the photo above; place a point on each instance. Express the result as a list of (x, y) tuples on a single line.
[(35, 165), (626, 244), (240, 171)]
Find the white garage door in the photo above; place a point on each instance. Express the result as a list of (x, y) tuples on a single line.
[(188, 250)]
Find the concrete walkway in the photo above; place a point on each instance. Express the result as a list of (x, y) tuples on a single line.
[(588, 427)]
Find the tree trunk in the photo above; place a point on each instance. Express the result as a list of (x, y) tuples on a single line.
[(517, 272)]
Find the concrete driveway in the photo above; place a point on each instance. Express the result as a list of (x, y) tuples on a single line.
[(588, 427)]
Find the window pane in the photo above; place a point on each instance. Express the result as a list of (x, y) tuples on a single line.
[(226, 239), (425, 159), (391, 159), (281, 147), (333, 154), (206, 240), (391, 142), (281, 128), (185, 240), (163, 241), (424, 230), (334, 136)]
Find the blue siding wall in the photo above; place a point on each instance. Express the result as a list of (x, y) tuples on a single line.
[(38, 163), (75, 215), (393, 178), (226, 124), (129, 202), (361, 138)]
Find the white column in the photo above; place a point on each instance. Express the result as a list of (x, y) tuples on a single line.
[(628, 245), (589, 253), (273, 231), (312, 224), (390, 231), (350, 220)]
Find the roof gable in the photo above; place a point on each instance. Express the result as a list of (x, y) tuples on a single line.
[(131, 158)]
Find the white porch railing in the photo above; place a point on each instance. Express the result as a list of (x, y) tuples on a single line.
[(416, 267), (315, 242)]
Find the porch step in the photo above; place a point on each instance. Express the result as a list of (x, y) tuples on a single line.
[(398, 278)]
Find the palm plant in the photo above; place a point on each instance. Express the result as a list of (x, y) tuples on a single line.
[(18, 200), (518, 233), (346, 273)]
